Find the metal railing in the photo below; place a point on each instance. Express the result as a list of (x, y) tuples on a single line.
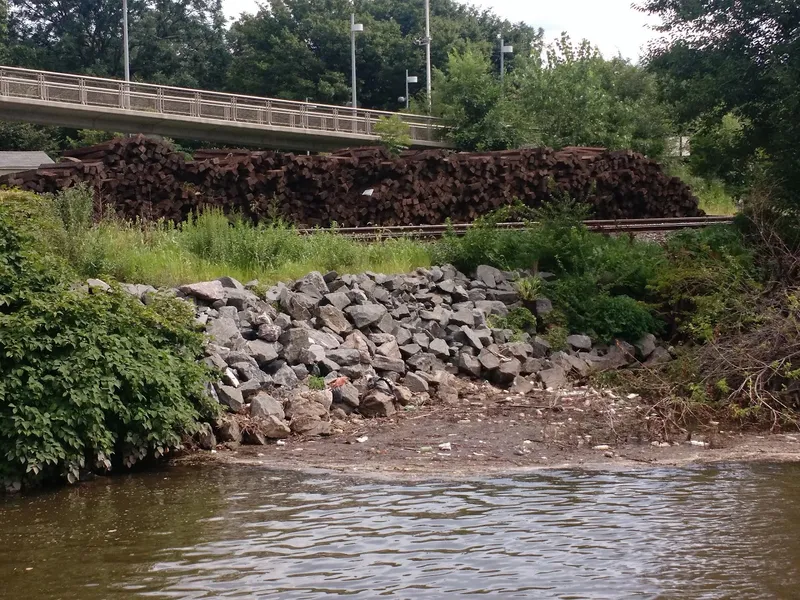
[(166, 100)]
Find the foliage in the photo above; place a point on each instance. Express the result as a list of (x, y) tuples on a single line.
[(470, 99), (556, 336), (713, 195), (25, 137), (316, 35), (316, 383), (394, 133), (718, 58), (529, 288), (90, 137), (709, 283), (519, 320), (578, 98), (87, 380), (181, 42)]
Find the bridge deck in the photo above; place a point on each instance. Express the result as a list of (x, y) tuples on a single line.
[(49, 98)]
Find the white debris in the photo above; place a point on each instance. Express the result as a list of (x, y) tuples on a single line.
[(601, 447), (698, 443), (445, 446), (362, 439), (281, 442)]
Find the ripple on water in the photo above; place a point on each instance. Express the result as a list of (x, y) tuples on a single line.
[(722, 532)]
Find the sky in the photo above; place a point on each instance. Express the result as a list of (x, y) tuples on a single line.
[(612, 25)]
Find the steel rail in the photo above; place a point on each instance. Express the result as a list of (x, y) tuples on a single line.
[(605, 226)]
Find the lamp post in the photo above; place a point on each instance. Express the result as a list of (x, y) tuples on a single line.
[(428, 51), (126, 56), (354, 28), (503, 51), (409, 79)]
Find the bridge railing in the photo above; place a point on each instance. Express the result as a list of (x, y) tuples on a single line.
[(185, 102)]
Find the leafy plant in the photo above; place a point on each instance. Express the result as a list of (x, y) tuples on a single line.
[(529, 288), (394, 134), (87, 380), (316, 383)]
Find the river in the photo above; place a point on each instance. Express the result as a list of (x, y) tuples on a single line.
[(730, 531)]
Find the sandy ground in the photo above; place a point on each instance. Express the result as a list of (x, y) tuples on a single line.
[(489, 431)]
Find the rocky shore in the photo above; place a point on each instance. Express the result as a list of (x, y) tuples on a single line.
[(313, 357)]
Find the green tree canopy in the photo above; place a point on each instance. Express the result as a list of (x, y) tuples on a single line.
[(735, 56)]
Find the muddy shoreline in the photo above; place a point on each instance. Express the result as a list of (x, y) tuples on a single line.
[(493, 433)]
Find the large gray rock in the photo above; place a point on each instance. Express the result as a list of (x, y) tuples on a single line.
[(542, 306), (472, 338), (224, 331), (205, 437), (274, 428), (508, 370), (312, 285), (377, 404), (540, 347), (492, 307), (358, 341), (249, 372), (553, 378), (424, 362), (262, 352), (392, 365), (230, 283), (285, 377), (228, 430), (463, 317), (518, 350), (303, 407), (645, 346), (264, 405), (415, 383), (347, 394), (309, 426), (241, 299), (344, 356), (409, 350), (366, 314), (658, 356), (390, 349), (299, 306), (489, 360), (440, 348), (324, 339), (315, 354), (138, 290), (580, 342), (208, 291), (334, 319), (338, 299), (269, 333), (295, 345), (469, 364), (490, 276), (230, 397)]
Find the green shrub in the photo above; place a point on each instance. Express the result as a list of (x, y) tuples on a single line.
[(529, 288), (316, 383), (519, 320), (394, 133), (86, 380)]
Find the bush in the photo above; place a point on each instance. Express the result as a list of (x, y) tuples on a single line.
[(394, 133), (87, 380)]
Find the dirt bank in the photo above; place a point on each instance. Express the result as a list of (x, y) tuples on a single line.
[(492, 431)]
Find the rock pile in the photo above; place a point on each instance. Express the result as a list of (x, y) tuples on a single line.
[(301, 356)]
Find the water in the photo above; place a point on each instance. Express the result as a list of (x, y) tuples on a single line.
[(728, 532)]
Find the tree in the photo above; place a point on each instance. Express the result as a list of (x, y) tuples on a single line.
[(735, 56), (578, 98), (472, 102), (171, 41), (301, 48)]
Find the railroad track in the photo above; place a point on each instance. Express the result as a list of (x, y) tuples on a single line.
[(604, 226)]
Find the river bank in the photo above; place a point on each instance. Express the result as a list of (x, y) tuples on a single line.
[(491, 432)]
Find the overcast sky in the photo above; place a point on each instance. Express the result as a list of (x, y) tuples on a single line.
[(613, 25)]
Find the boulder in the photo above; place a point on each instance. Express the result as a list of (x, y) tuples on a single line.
[(339, 300), (472, 338), (263, 405), (230, 397), (366, 314), (646, 346), (334, 319), (403, 395), (580, 342), (312, 285), (205, 437), (390, 350), (508, 370), (261, 351), (415, 383), (295, 345), (385, 363), (347, 394), (224, 331), (489, 360), (377, 404), (241, 299), (344, 356), (230, 283), (521, 385), (553, 378), (228, 430), (207, 291), (440, 348), (409, 350), (254, 437), (358, 341), (285, 377), (492, 307), (299, 306), (658, 356), (469, 364), (315, 354), (490, 276), (309, 426), (269, 333), (540, 347), (321, 338), (274, 428), (303, 407), (542, 306)]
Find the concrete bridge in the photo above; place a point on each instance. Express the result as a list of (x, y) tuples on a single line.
[(48, 98)]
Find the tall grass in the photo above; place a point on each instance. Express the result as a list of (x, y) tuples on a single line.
[(714, 197), (213, 245)]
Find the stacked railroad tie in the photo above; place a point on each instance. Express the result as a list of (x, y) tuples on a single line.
[(141, 177)]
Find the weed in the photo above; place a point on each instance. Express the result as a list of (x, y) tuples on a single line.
[(316, 383)]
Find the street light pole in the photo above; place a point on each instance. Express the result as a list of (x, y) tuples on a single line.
[(353, 57), (409, 79), (503, 51), (428, 51), (125, 40)]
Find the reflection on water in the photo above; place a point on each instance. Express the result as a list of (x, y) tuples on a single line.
[(731, 532)]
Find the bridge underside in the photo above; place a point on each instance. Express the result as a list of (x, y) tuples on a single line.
[(43, 112)]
